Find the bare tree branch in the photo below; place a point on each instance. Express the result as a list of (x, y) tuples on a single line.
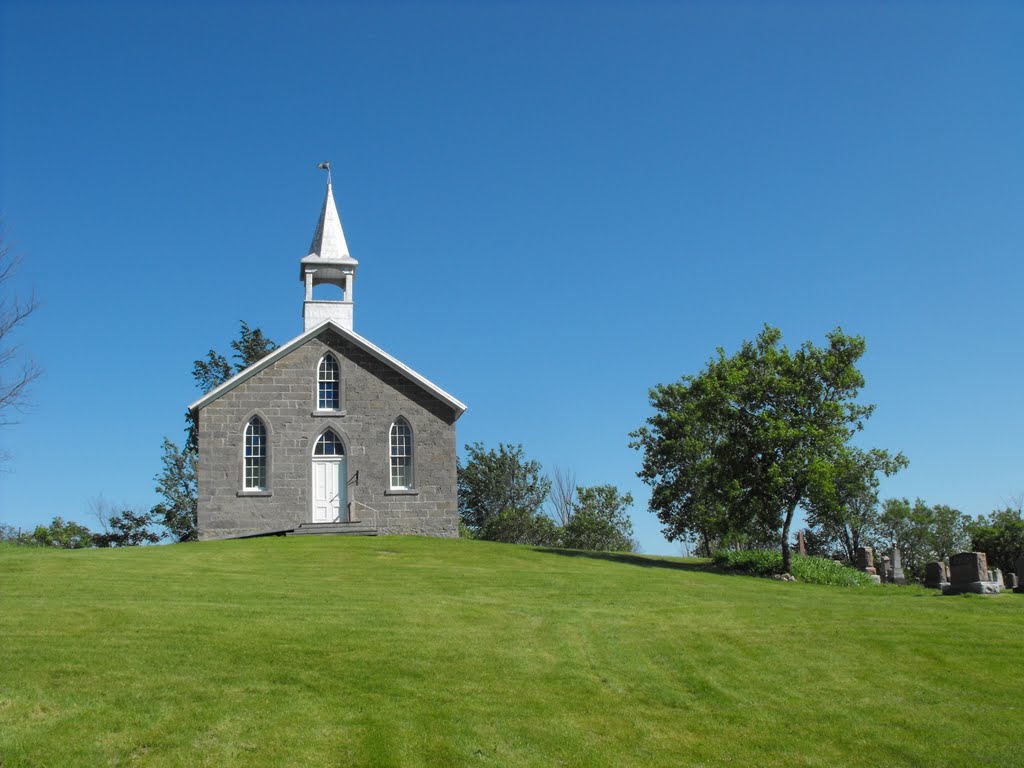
[(563, 495), (17, 372)]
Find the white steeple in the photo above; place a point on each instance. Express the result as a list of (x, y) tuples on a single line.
[(328, 263), (329, 239)]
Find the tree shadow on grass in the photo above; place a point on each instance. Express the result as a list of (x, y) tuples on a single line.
[(631, 559)]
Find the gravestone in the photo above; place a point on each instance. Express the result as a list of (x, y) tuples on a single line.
[(866, 560), (1020, 575), (1011, 581), (803, 547), (968, 572), (897, 568), (966, 567), (886, 569), (997, 577), (935, 575), (866, 563)]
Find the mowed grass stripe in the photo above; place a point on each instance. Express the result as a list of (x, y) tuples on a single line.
[(407, 651)]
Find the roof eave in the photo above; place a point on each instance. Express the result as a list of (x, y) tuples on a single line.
[(242, 376)]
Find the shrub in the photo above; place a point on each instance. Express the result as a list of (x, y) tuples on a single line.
[(599, 521), (129, 529), (758, 562), (811, 570), (65, 535), (15, 537), (520, 526), (822, 570)]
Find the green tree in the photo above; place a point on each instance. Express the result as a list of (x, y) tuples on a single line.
[(948, 531), (250, 347), (844, 509), (923, 533), (177, 480), (905, 525), (494, 481), (817, 543), (63, 534), (211, 371), (599, 520), (128, 529), (1000, 536), (740, 446), (176, 483)]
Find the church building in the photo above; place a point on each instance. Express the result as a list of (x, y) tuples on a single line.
[(328, 433)]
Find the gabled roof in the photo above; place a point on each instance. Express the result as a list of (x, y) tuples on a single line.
[(329, 239), (351, 336)]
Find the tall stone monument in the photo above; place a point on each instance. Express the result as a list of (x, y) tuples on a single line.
[(897, 568)]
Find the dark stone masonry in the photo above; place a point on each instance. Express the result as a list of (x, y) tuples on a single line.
[(373, 395)]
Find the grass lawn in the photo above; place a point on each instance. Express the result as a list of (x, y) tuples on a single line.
[(410, 652)]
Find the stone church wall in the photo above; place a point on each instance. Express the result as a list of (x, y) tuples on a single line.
[(283, 395)]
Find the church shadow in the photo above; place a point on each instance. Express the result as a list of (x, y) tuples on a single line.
[(631, 559)]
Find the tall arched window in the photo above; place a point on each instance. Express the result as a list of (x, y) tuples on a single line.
[(255, 455), (401, 454), (328, 384)]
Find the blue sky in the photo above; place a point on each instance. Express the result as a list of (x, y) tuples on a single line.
[(554, 207)]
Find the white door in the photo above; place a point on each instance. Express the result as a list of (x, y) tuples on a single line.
[(330, 491)]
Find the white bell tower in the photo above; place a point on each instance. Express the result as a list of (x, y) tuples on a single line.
[(328, 263)]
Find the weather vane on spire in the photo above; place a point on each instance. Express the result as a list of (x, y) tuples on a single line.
[(326, 166)]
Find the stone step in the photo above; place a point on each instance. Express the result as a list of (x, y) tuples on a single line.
[(333, 529)]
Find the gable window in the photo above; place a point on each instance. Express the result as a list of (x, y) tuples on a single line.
[(255, 455), (329, 444), (328, 384), (401, 454)]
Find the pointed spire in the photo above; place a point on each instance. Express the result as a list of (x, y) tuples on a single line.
[(328, 263), (329, 239)]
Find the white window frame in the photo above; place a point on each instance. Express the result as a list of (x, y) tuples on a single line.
[(336, 442), (401, 455), (255, 456), (321, 379)]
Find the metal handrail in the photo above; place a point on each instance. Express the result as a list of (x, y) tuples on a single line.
[(365, 506)]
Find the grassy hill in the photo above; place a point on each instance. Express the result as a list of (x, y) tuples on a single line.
[(407, 652)]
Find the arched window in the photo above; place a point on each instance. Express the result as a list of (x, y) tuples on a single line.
[(328, 384), (401, 454), (255, 455), (329, 444)]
